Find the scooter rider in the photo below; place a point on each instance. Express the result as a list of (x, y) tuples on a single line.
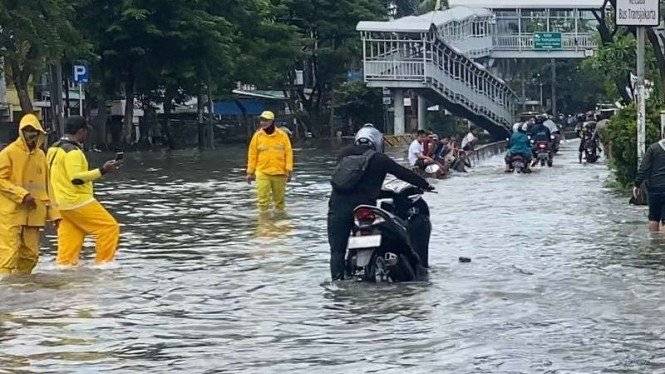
[(541, 133), (366, 192), (588, 134), (519, 144)]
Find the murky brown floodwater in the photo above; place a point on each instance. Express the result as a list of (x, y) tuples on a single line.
[(564, 279)]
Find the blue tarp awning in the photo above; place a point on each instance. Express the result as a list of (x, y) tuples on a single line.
[(254, 107)]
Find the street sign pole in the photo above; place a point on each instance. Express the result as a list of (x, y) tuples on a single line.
[(641, 99), (642, 14), (81, 99)]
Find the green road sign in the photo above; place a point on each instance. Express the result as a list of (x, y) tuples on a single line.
[(547, 40)]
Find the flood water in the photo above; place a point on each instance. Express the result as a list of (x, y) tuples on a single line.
[(564, 278)]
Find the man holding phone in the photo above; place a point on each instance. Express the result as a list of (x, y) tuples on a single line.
[(72, 188)]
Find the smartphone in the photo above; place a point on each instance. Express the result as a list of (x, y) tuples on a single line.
[(119, 156)]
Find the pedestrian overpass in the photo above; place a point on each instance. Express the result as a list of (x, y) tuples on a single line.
[(442, 54)]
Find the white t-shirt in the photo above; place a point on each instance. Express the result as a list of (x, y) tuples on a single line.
[(468, 139), (415, 149)]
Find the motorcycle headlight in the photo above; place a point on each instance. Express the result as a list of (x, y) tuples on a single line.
[(552, 137)]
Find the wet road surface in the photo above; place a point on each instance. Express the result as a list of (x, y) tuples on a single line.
[(564, 278)]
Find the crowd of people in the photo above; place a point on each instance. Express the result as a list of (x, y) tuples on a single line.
[(447, 153)]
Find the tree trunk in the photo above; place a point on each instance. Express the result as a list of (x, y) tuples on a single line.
[(55, 86), (20, 79), (129, 111), (210, 125), (100, 126), (199, 119), (168, 106), (660, 57)]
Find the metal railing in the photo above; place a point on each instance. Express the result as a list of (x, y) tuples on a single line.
[(399, 70), (569, 42), (450, 73)]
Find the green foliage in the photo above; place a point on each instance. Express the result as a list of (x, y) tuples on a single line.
[(622, 134), (359, 104), (32, 34), (329, 47), (580, 87), (445, 125)]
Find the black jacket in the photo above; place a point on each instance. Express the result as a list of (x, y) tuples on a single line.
[(370, 185), (652, 169), (541, 133)]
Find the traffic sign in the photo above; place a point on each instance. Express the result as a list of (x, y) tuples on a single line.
[(547, 40), (81, 74), (637, 13)]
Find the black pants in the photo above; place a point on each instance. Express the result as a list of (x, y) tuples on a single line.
[(419, 230), (656, 200), (340, 223)]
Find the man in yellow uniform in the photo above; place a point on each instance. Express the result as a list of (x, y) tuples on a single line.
[(71, 182), (24, 200), (270, 163)]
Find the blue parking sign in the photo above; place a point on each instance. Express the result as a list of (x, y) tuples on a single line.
[(81, 74)]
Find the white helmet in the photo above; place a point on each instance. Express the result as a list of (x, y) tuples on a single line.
[(516, 127), (370, 136), (525, 127)]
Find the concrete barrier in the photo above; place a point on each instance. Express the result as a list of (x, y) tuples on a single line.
[(489, 150)]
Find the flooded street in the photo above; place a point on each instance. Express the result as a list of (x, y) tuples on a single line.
[(564, 278)]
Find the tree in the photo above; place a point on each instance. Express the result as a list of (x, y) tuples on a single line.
[(611, 34), (32, 33), (329, 47), (357, 104)]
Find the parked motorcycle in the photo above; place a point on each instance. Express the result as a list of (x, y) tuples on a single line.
[(389, 242)]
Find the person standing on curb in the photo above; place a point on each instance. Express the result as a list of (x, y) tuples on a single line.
[(270, 163), (82, 214), (25, 206), (652, 171)]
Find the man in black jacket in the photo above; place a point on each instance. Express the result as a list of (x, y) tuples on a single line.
[(652, 171), (342, 204)]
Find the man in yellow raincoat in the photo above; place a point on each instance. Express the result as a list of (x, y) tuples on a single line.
[(24, 199), (270, 163), (82, 214)]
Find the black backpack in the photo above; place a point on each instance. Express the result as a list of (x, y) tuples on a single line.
[(350, 171)]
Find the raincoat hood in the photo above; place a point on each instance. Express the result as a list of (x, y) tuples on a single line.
[(30, 120)]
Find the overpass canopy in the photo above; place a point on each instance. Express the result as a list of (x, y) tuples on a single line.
[(424, 22), (529, 4)]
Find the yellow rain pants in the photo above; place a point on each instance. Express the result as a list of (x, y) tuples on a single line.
[(270, 188), (90, 219), (19, 249)]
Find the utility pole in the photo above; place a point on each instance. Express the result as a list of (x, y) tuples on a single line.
[(641, 99), (554, 108)]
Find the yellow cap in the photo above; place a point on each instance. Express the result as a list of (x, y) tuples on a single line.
[(270, 116)]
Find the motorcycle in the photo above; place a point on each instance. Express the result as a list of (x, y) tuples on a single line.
[(389, 242), (556, 142), (543, 154), (519, 164), (590, 150), (436, 170)]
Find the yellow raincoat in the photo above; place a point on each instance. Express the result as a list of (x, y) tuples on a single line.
[(82, 215), (22, 172), (270, 159)]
